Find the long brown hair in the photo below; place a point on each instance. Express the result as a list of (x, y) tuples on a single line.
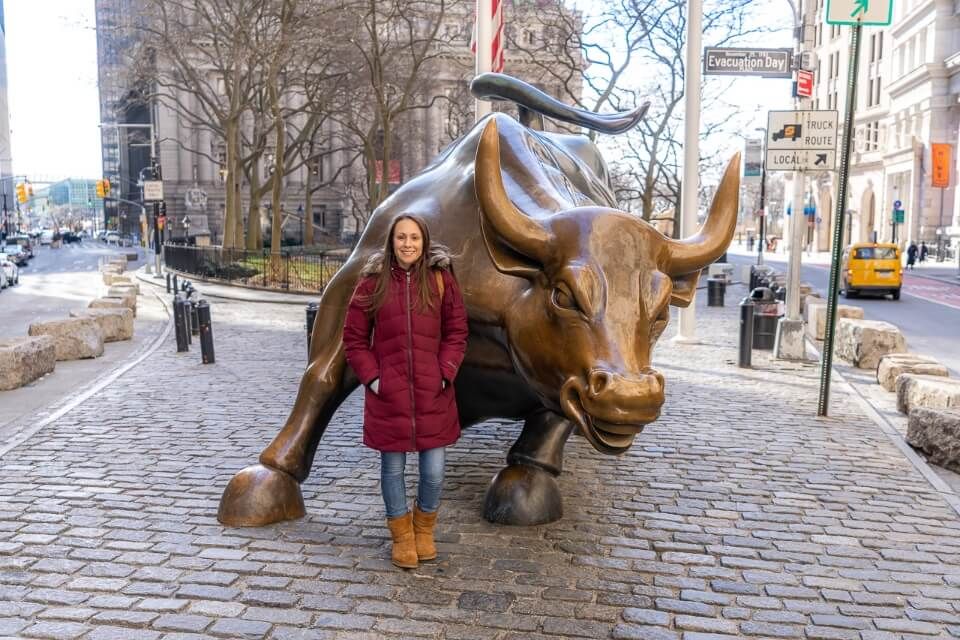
[(420, 271)]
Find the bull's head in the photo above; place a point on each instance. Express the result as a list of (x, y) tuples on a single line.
[(600, 285)]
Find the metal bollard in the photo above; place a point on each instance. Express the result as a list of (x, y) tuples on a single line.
[(175, 286), (180, 328), (716, 288), (168, 282), (185, 310), (206, 332), (194, 320), (312, 309), (746, 333)]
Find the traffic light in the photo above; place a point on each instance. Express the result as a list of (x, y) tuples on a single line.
[(106, 186), (100, 192), (21, 193)]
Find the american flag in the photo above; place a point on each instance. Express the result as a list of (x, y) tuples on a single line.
[(496, 62)]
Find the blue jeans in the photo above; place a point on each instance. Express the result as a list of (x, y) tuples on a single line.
[(394, 488)]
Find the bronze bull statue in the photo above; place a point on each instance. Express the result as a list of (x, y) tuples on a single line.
[(566, 296)]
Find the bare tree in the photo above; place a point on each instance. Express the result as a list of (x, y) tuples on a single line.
[(397, 46), (618, 54)]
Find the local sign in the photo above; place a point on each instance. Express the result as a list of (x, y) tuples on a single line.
[(802, 141), (152, 190), (729, 61), (862, 12)]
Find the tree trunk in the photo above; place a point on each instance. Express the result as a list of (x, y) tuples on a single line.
[(229, 233), (254, 232), (308, 207)]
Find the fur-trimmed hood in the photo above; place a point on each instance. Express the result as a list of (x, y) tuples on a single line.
[(440, 258)]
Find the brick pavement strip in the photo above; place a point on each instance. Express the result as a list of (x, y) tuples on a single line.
[(737, 514)]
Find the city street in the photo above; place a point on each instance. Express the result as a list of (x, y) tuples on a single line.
[(737, 514), (927, 312), (55, 282)]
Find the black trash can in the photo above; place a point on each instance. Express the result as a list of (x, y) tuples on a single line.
[(716, 288), (766, 314)]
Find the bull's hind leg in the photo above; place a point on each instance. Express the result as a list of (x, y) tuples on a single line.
[(270, 491), (525, 492)]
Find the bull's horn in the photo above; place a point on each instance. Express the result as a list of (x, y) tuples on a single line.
[(713, 238), (516, 229)]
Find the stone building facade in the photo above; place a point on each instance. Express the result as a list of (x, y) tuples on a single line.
[(194, 183), (907, 100)]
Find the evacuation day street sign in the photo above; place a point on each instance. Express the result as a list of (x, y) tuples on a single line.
[(876, 13), (732, 61), (802, 140)]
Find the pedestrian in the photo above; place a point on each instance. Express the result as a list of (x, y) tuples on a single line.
[(911, 255), (405, 335), (923, 251)]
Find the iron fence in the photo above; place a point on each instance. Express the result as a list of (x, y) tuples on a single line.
[(283, 271)]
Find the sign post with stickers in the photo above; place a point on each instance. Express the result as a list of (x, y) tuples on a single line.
[(856, 14)]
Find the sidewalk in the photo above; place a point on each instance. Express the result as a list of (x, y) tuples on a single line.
[(738, 514)]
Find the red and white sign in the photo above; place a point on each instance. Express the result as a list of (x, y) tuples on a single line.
[(804, 83)]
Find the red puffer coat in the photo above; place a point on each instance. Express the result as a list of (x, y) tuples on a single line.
[(411, 352)]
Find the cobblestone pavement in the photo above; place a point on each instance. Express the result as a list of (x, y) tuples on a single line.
[(737, 514)]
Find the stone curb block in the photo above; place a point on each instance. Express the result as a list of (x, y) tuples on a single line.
[(116, 324), (936, 432), (864, 342), (74, 338), (932, 392), (893, 365), (815, 316), (23, 360)]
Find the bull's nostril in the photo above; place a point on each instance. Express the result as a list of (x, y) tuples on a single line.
[(598, 382)]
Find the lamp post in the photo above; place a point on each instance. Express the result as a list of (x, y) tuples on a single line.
[(186, 228), (762, 226)]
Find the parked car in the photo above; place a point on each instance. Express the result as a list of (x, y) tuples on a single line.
[(24, 241), (70, 237), (46, 236), (16, 253), (11, 271), (870, 267), (3, 280), (112, 237)]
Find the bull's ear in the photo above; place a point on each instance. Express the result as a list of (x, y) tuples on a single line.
[(505, 258), (518, 244), (684, 289)]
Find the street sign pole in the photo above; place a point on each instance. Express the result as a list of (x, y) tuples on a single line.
[(826, 360)]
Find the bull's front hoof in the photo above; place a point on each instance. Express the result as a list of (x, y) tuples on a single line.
[(259, 496), (523, 495)]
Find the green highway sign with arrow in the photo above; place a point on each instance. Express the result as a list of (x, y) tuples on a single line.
[(877, 13)]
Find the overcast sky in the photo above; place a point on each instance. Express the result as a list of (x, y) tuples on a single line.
[(54, 105), (52, 72)]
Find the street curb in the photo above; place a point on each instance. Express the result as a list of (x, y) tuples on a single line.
[(95, 388), (919, 463), (231, 292)]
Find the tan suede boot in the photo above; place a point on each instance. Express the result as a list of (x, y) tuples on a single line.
[(423, 524), (404, 545)]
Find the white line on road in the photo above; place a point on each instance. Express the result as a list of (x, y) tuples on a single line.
[(83, 396)]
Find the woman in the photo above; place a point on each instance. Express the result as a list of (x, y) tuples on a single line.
[(411, 305), (912, 255)]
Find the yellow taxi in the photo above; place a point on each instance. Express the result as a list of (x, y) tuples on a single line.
[(871, 267)]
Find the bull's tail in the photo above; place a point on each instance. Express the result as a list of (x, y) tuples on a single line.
[(498, 86)]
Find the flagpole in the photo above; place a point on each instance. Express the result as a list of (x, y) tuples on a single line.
[(689, 199), (484, 31)]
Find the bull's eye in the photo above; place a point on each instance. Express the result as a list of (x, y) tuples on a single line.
[(564, 299)]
